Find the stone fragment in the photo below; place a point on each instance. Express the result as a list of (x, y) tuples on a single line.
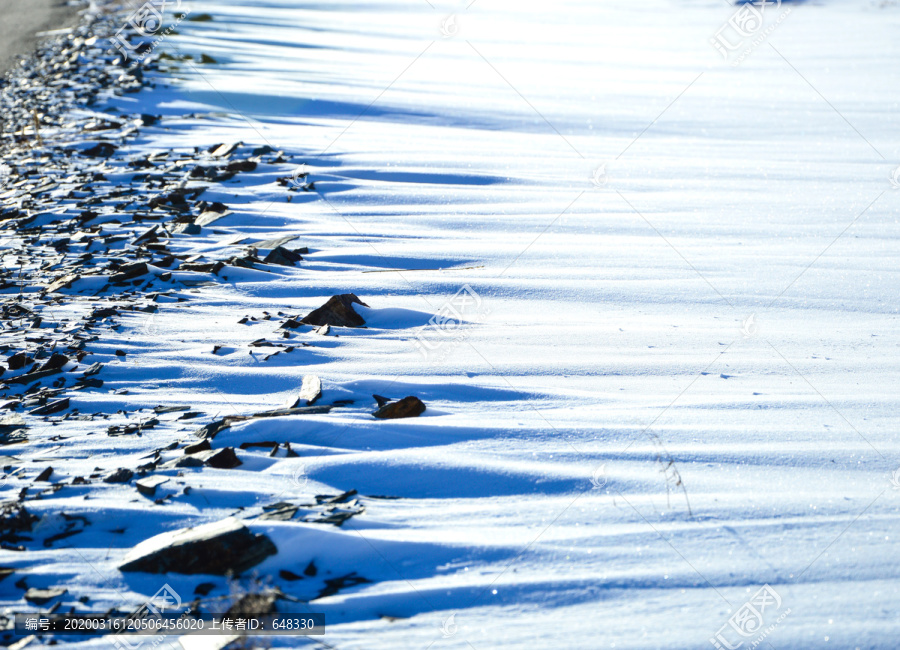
[(408, 407), (217, 548), (337, 312)]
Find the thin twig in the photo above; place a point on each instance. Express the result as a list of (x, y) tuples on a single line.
[(37, 130), (454, 268)]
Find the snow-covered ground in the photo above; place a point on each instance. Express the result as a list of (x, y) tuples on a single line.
[(676, 268)]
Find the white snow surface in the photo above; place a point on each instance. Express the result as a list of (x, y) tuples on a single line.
[(536, 503)]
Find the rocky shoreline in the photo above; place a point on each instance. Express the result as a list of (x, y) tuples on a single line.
[(93, 233)]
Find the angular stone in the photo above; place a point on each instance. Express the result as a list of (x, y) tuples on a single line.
[(52, 407), (203, 445), (220, 458), (100, 150), (121, 475), (282, 256), (337, 312), (129, 272), (147, 485), (64, 282), (187, 229), (408, 407), (17, 361), (209, 217), (223, 149), (210, 430), (44, 596), (33, 376), (218, 548), (310, 391), (55, 361)]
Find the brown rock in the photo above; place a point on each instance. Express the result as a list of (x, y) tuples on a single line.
[(408, 407), (338, 311)]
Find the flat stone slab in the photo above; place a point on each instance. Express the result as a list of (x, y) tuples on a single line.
[(215, 549)]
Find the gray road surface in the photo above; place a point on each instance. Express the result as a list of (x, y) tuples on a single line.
[(20, 19)]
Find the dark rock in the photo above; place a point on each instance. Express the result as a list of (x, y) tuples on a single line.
[(190, 460), (52, 407), (121, 353), (265, 444), (129, 272), (311, 571), (281, 511), (100, 150), (44, 475), (198, 447), (282, 256), (218, 548), (290, 576), (210, 430), (343, 497), (300, 410), (33, 376), (334, 585), (408, 407), (15, 519), (204, 588), (88, 382), (220, 458), (338, 311), (121, 475), (56, 360), (240, 166), (148, 120), (17, 361), (202, 267), (381, 400)]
